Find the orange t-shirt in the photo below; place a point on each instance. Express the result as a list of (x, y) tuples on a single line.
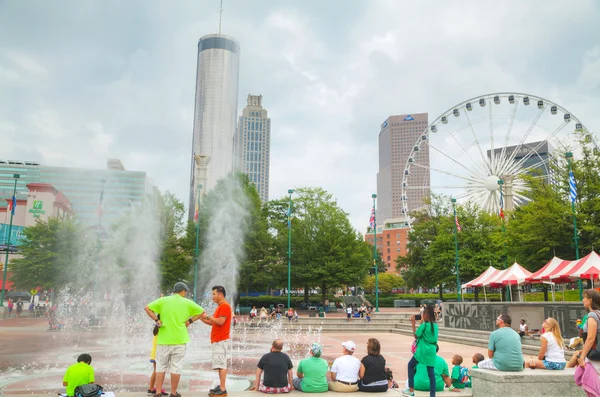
[(221, 332)]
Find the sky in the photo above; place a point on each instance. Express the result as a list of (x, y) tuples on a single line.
[(83, 81)]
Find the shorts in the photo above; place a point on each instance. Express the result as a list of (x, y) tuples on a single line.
[(348, 315), (273, 390), (219, 355), (170, 358), (487, 364), (554, 366)]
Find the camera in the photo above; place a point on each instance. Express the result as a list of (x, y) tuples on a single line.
[(417, 316)]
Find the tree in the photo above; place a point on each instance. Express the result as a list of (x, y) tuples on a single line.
[(386, 282), (327, 251), (49, 253)]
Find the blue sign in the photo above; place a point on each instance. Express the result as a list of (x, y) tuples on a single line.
[(384, 124), (16, 235), (409, 118)]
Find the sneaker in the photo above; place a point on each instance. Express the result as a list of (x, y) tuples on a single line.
[(151, 392), (164, 393), (213, 391), (220, 393), (173, 395), (407, 392)]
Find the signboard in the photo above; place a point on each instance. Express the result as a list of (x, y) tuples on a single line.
[(16, 235), (409, 118), (37, 209)]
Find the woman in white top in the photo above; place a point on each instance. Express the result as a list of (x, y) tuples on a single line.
[(552, 352)]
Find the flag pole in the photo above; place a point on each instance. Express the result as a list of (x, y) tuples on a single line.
[(289, 278), (12, 213), (196, 251), (573, 195), (374, 196), (458, 289)]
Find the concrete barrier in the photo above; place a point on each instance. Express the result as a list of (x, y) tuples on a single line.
[(389, 393), (529, 382)]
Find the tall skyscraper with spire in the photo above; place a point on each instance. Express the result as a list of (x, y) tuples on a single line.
[(215, 113), (253, 145)]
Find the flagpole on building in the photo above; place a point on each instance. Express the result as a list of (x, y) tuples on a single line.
[(501, 183), (374, 196), (458, 289), (196, 251), (12, 214), (573, 196), (289, 284)]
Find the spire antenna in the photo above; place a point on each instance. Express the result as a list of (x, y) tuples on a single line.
[(220, 16)]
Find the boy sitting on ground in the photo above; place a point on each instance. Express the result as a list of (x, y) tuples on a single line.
[(460, 374), (79, 374)]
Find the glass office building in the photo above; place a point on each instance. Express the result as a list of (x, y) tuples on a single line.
[(81, 186)]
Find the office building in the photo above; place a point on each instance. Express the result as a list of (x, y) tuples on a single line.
[(392, 241), (253, 145), (397, 137), (81, 186), (535, 156), (215, 113)]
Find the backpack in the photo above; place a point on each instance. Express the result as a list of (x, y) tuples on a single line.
[(89, 390), (463, 376)]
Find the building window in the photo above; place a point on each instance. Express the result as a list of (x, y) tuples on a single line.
[(397, 249), (388, 235), (388, 243), (388, 260), (398, 242), (398, 235), (388, 250)]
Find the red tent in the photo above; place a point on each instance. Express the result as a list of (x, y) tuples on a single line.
[(561, 273), (514, 275), (548, 268), (490, 273), (587, 267), (9, 284)]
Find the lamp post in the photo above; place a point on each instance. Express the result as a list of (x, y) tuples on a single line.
[(374, 196), (289, 214), (458, 289), (196, 251), (501, 183), (573, 194), (13, 205)]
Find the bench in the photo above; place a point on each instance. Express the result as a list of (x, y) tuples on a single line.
[(529, 382), (405, 303)]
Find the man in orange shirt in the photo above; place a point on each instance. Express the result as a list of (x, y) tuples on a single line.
[(219, 335)]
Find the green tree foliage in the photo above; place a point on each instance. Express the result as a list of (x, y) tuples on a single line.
[(326, 251), (386, 282), (49, 251), (430, 260), (176, 260)]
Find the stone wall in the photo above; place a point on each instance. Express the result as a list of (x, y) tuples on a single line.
[(482, 315)]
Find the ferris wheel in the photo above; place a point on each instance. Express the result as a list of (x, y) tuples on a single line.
[(465, 151)]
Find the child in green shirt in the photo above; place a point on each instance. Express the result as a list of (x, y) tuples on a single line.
[(459, 376), (79, 374)]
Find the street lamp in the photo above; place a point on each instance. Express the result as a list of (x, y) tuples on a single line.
[(501, 183), (374, 196), (12, 213), (289, 215), (573, 195), (458, 289), (196, 252)]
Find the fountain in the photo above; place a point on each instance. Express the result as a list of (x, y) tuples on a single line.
[(103, 315)]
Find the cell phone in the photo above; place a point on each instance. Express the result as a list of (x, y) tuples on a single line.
[(417, 316)]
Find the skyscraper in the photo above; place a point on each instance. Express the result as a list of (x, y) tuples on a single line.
[(397, 137), (252, 145), (215, 113)]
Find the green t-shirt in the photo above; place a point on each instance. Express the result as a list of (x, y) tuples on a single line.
[(315, 374), (174, 311), (77, 375), (505, 342), (422, 377), (456, 381), (426, 344)]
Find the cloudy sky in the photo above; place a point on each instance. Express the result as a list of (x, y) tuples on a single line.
[(83, 81)]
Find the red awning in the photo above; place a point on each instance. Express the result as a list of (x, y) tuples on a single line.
[(549, 268)]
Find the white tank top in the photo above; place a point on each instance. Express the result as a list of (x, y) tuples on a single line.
[(554, 353)]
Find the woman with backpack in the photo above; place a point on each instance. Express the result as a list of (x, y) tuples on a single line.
[(426, 337)]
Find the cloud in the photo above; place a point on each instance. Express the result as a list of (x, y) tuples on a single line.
[(81, 82)]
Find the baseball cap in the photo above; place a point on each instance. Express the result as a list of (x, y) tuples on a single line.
[(316, 349), (180, 286), (349, 345)]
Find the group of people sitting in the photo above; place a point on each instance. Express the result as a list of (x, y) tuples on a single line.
[(276, 313), (313, 375)]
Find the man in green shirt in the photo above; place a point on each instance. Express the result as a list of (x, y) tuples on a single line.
[(176, 314), (442, 377), (504, 348), (79, 374), (312, 372)]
